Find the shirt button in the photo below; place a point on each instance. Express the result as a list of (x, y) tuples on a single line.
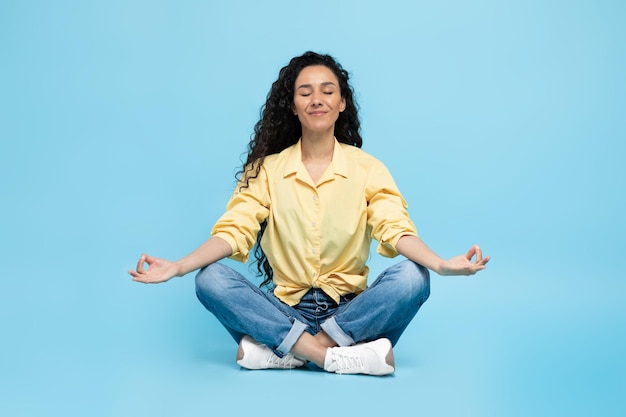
[(313, 224), (314, 197)]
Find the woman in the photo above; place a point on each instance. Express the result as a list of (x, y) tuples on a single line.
[(313, 200)]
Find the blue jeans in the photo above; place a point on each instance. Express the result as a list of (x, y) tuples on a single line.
[(384, 309)]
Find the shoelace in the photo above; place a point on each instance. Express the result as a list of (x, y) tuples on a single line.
[(347, 362), (284, 362)]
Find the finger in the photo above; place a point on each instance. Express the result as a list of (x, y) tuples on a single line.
[(474, 269), (144, 278), (470, 271), (479, 254), (137, 276), (140, 262), (470, 253), (480, 266)]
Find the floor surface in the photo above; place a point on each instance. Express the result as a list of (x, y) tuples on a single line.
[(479, 347)]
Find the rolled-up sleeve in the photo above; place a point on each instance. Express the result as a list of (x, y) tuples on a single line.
[(387, 212), (247, 209)]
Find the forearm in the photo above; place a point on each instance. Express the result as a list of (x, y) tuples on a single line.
[(416, 250), (213, 250)]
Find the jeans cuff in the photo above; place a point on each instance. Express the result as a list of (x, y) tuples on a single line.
[(292, 337), (333, 330)]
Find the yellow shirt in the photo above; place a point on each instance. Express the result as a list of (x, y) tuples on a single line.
[(317, 235)]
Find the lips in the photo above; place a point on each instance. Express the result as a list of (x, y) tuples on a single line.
[(317, 113)]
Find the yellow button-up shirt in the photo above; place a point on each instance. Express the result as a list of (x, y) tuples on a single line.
[(317, 235)]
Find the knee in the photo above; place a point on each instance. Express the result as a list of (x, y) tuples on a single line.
[(211, 280), (415, 279)]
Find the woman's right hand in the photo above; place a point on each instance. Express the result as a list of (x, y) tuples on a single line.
[(159, 270)]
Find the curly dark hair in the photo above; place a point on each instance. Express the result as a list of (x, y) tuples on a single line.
[(279, 128)]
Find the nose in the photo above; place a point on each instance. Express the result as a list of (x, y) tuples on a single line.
[(316, 100)]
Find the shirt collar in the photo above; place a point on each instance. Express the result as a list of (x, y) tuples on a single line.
[(339, 164)]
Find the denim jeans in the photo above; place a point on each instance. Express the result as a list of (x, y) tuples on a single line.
[(384, 309)]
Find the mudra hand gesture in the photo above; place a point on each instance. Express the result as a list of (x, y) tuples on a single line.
[(463, 264), (159, 270)]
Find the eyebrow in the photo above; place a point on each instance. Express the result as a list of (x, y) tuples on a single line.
[(324, 84)]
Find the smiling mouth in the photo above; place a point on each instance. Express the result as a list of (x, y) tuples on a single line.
[(317, 113)]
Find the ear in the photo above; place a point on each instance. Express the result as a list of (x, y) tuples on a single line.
[(342, 105), (293, 109)]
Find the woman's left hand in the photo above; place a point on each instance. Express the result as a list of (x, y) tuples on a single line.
[(463, 264)]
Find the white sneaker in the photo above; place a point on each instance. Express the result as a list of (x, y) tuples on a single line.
[(254, 355), (372, 358)]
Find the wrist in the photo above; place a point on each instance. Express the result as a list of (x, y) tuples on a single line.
[(179, 269), (441, 267)]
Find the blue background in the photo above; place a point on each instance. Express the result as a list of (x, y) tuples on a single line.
[(122, 124)]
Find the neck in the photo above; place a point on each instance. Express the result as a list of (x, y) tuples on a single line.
[(317, 146)]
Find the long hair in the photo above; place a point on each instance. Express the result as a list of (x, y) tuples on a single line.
[(279, 128)]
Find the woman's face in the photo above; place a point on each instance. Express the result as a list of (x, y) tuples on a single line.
[(317, 99)]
